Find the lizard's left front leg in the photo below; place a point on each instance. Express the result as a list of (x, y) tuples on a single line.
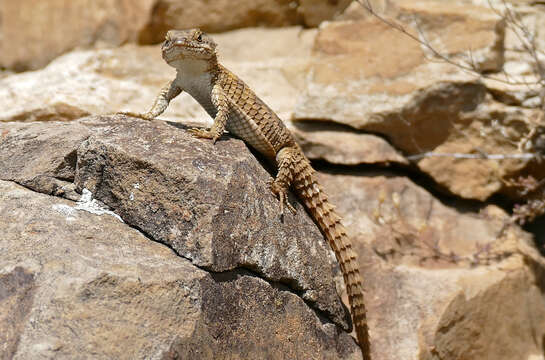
[(221, 102)]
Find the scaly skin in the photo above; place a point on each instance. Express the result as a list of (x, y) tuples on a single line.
[(237, 109)]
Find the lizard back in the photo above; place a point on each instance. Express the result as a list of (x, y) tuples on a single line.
[(251, 119)]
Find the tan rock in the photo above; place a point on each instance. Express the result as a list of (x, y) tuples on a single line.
[(441, 283), (375, 70), (339, 145), (373, 78), (491, 129), (218, 16), (32, 35), (315, 12), (520, 82), (77, 284)]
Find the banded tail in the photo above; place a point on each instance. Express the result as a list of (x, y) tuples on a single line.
[(323, 213)]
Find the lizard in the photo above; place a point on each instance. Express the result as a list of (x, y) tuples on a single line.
[(237, 109)]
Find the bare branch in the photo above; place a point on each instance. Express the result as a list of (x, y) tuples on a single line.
[(481, 155)]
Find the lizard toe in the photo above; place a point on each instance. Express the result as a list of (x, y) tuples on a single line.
[(201, 133), (145, 116)]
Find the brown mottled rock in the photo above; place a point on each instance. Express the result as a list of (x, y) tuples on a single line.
[(76, 284), (373, 78), (441, 283), (129, 78), (210, 203), (32, 35)]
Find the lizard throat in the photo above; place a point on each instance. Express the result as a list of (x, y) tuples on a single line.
[(193, 66)]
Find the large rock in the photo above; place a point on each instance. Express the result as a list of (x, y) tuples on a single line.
[(74, 284), (41, 156), (210, 203), (441, 283), (371, 77)]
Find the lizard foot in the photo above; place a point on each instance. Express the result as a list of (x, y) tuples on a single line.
[(205, 134), (282, 195), (145, 116)]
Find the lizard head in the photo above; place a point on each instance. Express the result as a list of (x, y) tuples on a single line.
[(188, 44)]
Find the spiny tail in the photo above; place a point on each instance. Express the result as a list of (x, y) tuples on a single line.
[(323, 213)]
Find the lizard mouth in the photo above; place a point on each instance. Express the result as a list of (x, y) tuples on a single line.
[(179, 51)]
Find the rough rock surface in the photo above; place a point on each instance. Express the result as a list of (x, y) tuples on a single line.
[(210, 203), (74, 283), (441, 284), (373, 78), (201, 266)]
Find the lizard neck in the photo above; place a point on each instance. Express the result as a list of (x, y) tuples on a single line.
[(197, 77), (190, 67)]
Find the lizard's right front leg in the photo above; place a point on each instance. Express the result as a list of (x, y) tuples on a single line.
[(286, 159), (167, 93), (221, 102)]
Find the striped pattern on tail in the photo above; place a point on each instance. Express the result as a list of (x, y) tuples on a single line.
[(323, 213)]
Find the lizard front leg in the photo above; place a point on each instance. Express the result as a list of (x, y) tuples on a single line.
[(286, 159), (221, 102), (167, 93)]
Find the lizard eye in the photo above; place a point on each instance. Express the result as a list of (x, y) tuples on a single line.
[(199, 38)]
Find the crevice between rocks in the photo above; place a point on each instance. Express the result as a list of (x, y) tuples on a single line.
[(461, 205), (423, 180), (319, 125), (227, 275), (391, 169), (398, 170), (230, 275)]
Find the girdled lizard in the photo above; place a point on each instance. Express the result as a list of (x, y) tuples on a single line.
[(235, 107)]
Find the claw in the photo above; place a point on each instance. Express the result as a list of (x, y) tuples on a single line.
[(291, 208), (282, 198), (145, 116), (204, 134)]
